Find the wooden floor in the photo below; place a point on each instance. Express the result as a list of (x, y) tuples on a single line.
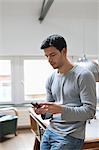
[(23, 141)]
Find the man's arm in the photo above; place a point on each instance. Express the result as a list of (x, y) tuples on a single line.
[(87, 90)]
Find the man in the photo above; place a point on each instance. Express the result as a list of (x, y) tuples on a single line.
[(71, 96)]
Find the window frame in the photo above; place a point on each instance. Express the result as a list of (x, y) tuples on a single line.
[(17, 78)]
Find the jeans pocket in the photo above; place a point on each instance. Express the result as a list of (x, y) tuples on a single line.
[(58, 146)]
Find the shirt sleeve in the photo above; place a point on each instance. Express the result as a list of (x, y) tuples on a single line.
[(87, 90), (49, 96)]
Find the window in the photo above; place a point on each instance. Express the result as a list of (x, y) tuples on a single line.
[(35, 75), (5, 80), (22, 79)]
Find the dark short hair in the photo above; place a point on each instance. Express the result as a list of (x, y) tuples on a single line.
[(56, 41)]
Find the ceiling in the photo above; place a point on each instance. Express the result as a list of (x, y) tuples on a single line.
[(47, 0)]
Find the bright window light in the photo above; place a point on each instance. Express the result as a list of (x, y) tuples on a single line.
[(5, 81), (35, 74)]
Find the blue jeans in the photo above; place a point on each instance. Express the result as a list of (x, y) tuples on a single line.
[(52, 141)]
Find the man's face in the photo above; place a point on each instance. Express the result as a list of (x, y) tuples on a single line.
[(54, 56)]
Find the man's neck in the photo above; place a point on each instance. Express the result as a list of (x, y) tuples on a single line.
[(66, 67)]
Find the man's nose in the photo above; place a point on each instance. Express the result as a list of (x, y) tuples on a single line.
[(49, 59)]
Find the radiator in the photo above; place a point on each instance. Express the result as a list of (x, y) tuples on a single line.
[(23, 117)]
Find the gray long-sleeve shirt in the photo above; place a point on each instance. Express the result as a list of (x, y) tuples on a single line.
[(76, 92)]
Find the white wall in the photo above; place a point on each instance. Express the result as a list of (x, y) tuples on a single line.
[(21, 33), (98, 29)]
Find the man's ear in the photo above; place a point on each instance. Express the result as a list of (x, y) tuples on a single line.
[(64, 51)]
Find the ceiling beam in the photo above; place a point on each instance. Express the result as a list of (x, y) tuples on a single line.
[(44, 9)]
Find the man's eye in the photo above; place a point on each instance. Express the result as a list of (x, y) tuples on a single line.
[(53, 55), (46, 56)]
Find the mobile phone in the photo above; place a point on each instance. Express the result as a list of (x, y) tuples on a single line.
[(36, 105)]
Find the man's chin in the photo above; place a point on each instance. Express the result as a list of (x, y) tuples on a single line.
[(54, 67)]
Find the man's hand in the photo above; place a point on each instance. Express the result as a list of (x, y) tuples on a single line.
[(49, 107)]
